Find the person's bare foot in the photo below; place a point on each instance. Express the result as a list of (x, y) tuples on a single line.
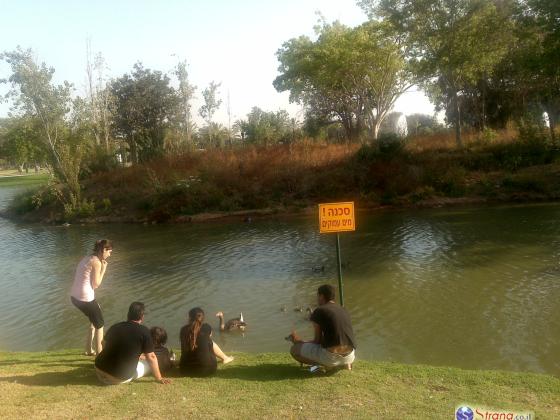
[(90, 353), (228, 360)]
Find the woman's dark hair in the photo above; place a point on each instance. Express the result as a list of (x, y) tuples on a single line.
[(159, 336), (327, 291), (100, 246), (136, 311), (196, 317)]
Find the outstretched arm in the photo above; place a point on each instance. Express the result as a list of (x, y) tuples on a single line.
[(295, 338), (152, 361)]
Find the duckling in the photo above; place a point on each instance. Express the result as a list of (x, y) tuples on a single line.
[(298, 309), (318, 269), (232, 324), (283, 308)]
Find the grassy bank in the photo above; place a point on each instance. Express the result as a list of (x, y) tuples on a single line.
[(424, 171), (23, 180), (63, 384)]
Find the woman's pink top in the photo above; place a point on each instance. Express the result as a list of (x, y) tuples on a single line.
[(82, 289)]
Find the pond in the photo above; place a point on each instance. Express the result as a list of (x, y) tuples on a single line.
[(473, 287)]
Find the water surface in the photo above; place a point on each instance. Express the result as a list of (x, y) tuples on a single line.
[(474, 288)]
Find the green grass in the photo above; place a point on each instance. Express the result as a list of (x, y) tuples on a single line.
[(13, 181), (63, 384)]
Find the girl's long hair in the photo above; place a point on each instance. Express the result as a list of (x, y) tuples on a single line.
[(196, 317), (101, 245)]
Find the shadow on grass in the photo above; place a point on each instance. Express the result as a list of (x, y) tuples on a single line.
[(264, 372), (80, 363), (79, 376)]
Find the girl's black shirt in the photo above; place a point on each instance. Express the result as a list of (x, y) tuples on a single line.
[(201, 361)]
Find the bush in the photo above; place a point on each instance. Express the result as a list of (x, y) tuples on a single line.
[(488, 136), (82, 210), (98, 161), (388, 146)]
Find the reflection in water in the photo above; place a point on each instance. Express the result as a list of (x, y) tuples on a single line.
[(475, 288)]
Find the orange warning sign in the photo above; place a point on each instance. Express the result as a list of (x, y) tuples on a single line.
[(337, 217)]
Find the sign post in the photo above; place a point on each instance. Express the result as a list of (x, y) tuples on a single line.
[(339, 267), (335, 218)]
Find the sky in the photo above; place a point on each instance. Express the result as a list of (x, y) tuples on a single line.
[(232, 42)]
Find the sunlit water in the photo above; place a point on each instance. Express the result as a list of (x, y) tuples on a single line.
[(474, 288)]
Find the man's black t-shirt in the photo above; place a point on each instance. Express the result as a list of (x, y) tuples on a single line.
[(124, 343), (201, 361), (335, 325)]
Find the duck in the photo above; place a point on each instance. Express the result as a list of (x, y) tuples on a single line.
[(232, 324)]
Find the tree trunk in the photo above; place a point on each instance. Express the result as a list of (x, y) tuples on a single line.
[(457, 120), (375, 129), (133, 152), (550, 111), (552, 126)]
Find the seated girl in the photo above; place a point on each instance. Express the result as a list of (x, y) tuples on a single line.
[(198, 351), (164, 356)]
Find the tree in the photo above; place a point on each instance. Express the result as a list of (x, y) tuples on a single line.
[(545, 15), (214, 134), (20, 142), (144, 107), (353, 75), (265, 128), (186, 94), (211, 105), (99, 98), (35, 96), (453, 43), (421, 124)]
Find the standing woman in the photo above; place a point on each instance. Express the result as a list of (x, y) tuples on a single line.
[(88, 277), (198, 351)]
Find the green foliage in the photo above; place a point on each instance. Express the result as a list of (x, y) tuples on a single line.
[(145, 106), (35, 198), (265, 128), (84, 209), (185, 92), (98, 160), (20, 141), (211, 102), (212, 134), (452, 182), (389, 146), (352, 75), (488, 136), (422, 124), (453, 43), (36, 97)]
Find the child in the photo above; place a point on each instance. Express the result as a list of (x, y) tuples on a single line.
[(164, 356)]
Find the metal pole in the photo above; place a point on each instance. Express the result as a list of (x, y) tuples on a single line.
[(339, 265)]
